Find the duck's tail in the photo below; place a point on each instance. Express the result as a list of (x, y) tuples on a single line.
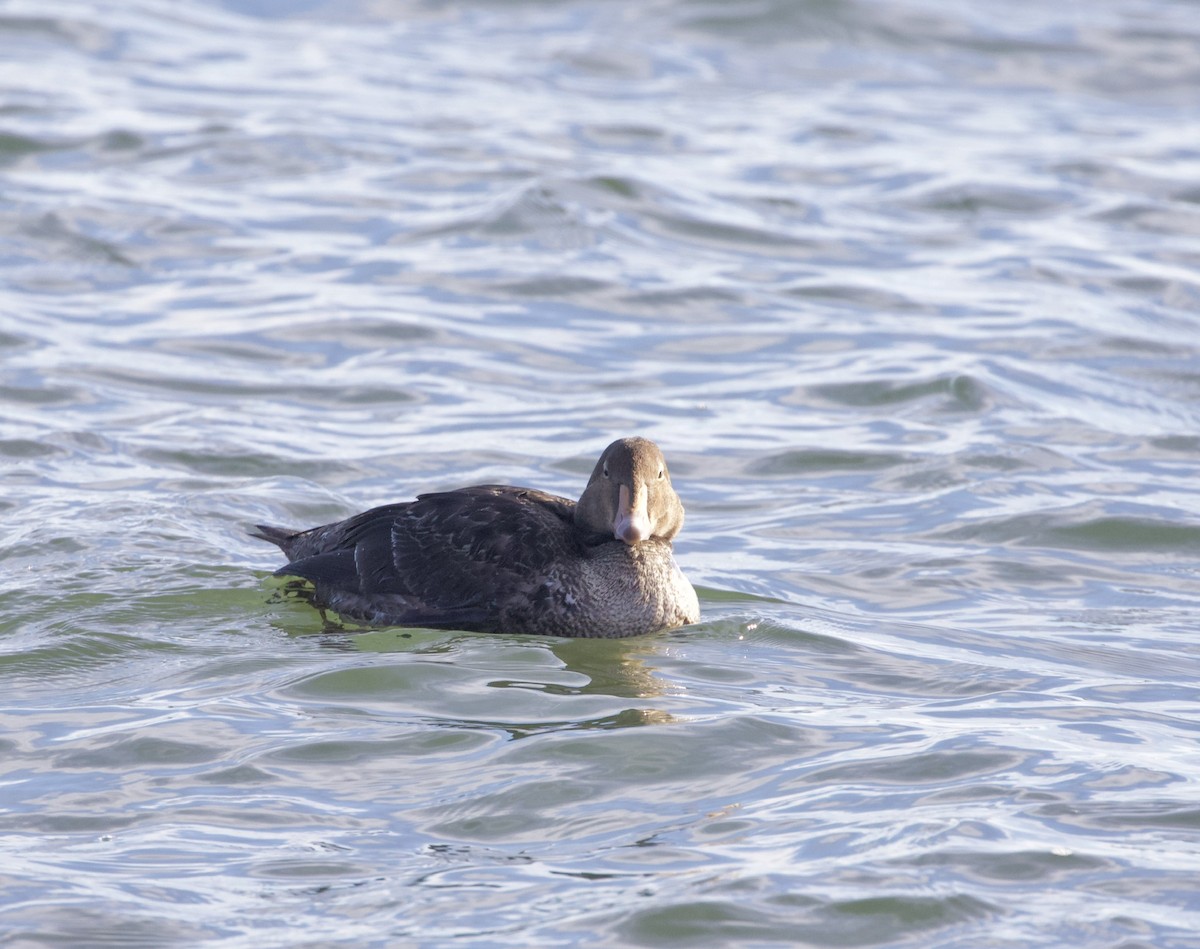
[(281, 537)]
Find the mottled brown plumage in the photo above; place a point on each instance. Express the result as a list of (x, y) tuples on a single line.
[(493, 558)]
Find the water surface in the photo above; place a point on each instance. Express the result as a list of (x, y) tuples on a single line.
[(907, 292)]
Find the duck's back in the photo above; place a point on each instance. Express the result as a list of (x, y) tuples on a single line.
[(457, 559)]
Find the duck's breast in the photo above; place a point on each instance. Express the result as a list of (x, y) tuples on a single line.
[(616, 590)]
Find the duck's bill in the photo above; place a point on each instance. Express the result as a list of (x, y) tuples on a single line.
[(632, 523)]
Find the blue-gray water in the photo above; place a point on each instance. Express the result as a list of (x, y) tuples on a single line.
[(907, 290)]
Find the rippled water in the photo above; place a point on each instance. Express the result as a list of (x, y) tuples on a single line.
[(906, 289)]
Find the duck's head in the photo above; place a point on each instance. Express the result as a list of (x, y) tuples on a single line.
[(629, 495)]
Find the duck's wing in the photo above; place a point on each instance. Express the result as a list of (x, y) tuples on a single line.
[(450, 556)]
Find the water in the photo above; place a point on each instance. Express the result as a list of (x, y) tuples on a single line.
[(906, 290)]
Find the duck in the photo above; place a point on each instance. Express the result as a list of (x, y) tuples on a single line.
[(501, 559)]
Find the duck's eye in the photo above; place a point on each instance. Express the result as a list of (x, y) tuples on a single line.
[(606, 471), (662, 473)]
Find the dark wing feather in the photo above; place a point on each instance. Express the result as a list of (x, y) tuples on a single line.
[(450, 558), (473, 545)]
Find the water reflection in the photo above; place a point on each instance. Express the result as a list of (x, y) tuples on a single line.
[(566, 673)]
